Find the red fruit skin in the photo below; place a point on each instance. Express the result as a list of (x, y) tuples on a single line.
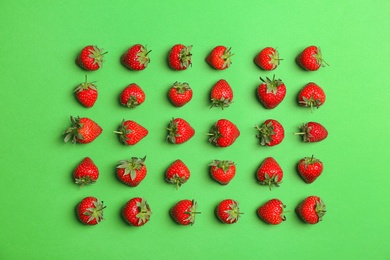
[(86, 172), (179, 57), (222, 211), (224, 133), (84, 207), (83, 130), (221, 175), (177, 173), (136, 57), (310, 58), (271, 168), (271, 99), (273, 139), (180, 94), (311, 95), (219, 58), (221, 94), (181, 212), (272, 212), (131, 210), (87, 96), (311, 209), (85, 59), (267, 59), (130, 132), (180, 131), (126, 178), (310, 169), (313, 132), (132, 96)]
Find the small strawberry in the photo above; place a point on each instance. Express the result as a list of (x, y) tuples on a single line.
[(268, 59), (271, 92), (311, 58), (311, 210), (184, 212), (222, 171), (179, 57), (228, 211), (136, 212), (136, 57), (224, 133), (179, 131), (313, 132), (177, 173), (132, 96), (219, 58), (86, 93), (271, 212), (221, 94), (86, 172), (132, 172), (83, 130), (180, 94), (90, 211), (271, 133), (310, 168), (311, 95), (270, 173), (90, 58), (130, 132)]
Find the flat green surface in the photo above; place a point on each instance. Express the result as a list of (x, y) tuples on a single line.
[(40, 40)]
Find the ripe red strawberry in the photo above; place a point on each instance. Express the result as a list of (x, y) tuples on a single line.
[(83, 130), (130, 132), (310, 168), (136, 212), (271, 92), (268, 59), (313, 132), (219, 58), (271, 212), (86, 172), (90, 58), (311, 210), (184, 212), (221, 94), (90, 211), (132, 172), (224, 133), (228, 211), (179, 131), (270, 173), (132, 96), (177, 173), (86, 93), (180, 94), (311, 58), (222, 171), (179, 57), (271, 133), (136, 57), (311, 95)]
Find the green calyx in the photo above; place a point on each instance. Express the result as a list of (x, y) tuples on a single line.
[(132, 102), (144, 211), (132, 166), (95, 212), (181, 88), (305, 132), (275, 60), (177, 180), (272, 85), (320, 209), (270, 181), (143, 56), (319, 59), (123, 132), (310, 102), (192, 212), (214, 134), (224, 165), (172, 131), (85, 86), (72, 132), (233, 212), (84, 181), (227, 58), (97, 55), (222, 103), (185, 57), (310, 160), (266, 131)]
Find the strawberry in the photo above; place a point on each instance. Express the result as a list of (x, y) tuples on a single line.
[(177, 173), (268, 59), (311, 95), (86, 93), (310, 168), (270, 173), (313, 132), (222, 171), (132, 96), (224, 133), (184, 212), (221, 94), (136, 212), (180, 94), (271, 133), (311, 210), (83, 130), (228, 211), (311, 58), (90, 58), (179, 131), (179, 57), (271, 92), (130, 132), (219, 58), (136, 57), (271, 212), (132, 172), (86, 172), (90, 211)]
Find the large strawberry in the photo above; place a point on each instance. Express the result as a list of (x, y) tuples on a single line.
[(313, 132), (136, 57), (83, 130), (90, 211), (222, 171), (219, 58), (310, 168), (132, 96), (179, 131), (221, 94), (132, 172), (268, 58), (271, 133), (271, 92), (311, 58), (311, 95), (184, 212), (228, 211), (86, 172), (136, 212), (130, 132), (311, 210), (179, 57), (223, 133), (86, 93), (177, 173), (271, 212), (90, 58), (269, 173), (180, 94)]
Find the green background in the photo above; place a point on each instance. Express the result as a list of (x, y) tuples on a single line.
[(40, 41)]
